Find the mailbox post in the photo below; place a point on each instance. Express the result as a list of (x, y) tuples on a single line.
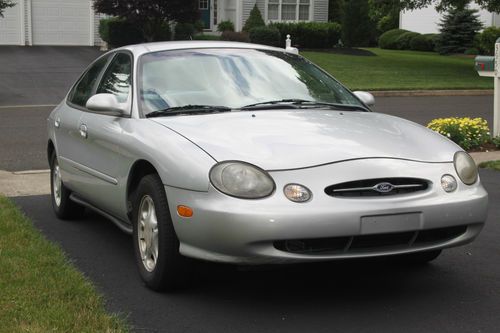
[(490, 67)]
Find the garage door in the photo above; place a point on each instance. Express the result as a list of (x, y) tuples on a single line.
[(61, 22), (11, 26)]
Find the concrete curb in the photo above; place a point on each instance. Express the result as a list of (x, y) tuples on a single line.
[(417, 93)]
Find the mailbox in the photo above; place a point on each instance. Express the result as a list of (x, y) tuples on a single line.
[(485, 65)]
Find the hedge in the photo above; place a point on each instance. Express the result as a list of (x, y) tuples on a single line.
[(118, 32), (388, 40), (423, 42), (266, 35), (485, 41), (235, 36), (313, 35), (403, 40)]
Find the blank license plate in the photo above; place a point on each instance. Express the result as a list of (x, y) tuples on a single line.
[(390, 223)]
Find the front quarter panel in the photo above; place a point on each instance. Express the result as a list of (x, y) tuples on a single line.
[(178, 161)]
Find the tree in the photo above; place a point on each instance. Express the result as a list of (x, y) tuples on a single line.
[(150, 15), (4, 4), (458, 29), (357, 28), (385, 13), (254, 20), (336, 10), (442, 5)]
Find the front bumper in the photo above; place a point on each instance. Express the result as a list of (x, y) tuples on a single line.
[(226, 229)]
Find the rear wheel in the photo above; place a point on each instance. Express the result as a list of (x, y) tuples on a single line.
[(63, 207), (155, 243)]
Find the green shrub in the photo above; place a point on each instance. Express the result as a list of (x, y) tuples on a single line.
[(205, 37), (466, 132), (471, 51), (423, 42), (225, 26), (388, 22), (118, 32), (388, 40), (266, 35), (314, 35), (254, 20), (235, 36), (486, 40), (184, 31), (496, 141), (403, 41)]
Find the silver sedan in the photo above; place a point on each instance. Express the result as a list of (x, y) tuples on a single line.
[(248, 154)]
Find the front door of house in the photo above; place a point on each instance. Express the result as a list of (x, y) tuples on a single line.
[(204, 6)]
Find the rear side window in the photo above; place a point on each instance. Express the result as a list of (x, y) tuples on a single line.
[(83, 89), (117, 78)]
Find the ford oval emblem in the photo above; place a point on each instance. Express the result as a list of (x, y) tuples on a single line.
[(383, 187)]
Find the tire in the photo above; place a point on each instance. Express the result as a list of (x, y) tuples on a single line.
[(160, 264), (420, 257), (63, 206)]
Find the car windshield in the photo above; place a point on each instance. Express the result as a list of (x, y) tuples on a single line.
[(235, 79)]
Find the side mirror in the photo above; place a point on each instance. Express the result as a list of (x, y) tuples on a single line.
[(365, 97), (106, 104)]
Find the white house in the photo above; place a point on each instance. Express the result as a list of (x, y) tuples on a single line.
[(426, 20), (73, 22)]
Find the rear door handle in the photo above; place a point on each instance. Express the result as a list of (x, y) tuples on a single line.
[(83, 131)]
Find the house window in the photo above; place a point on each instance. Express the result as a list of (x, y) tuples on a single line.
[(288, 10), (203, 4)]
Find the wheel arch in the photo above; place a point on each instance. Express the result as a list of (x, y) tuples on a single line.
[(50, 150), (139, 169)]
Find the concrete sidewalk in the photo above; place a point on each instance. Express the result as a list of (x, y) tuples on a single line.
[(37, 182)]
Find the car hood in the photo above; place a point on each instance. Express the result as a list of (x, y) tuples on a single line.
[(289, 139)]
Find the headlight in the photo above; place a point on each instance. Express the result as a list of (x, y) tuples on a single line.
[(466, 167), (242, 180)]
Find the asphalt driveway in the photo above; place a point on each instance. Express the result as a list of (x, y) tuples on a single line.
[(39, 75), (459, 292)]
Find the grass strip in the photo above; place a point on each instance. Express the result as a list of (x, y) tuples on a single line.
[(401, 70), (494, 165), (40, 290)]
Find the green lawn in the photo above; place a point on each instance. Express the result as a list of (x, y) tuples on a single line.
[(494, 165), (401, 70), (40, 291)]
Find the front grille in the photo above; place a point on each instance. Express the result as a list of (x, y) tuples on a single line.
[(364, 243), (377, 187)]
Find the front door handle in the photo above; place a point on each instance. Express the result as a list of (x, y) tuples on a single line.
[(83, 131)]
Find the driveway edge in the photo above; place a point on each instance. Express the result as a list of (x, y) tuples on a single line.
[(413, 93)]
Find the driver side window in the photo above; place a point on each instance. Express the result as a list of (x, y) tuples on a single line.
[(117, 78), (82, 91)]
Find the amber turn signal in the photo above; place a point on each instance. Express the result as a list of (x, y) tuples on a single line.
[(184, 211)]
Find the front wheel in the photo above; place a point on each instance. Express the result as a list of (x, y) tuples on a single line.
[(155, 242), (64, 208)]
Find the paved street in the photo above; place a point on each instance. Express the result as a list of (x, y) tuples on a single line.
[(460, 292)]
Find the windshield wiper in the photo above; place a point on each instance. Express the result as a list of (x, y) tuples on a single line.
[(282, 103), (188, 109)]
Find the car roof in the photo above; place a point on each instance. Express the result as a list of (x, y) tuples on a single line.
[(140, 49)]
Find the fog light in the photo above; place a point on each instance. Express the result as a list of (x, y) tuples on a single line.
[(297, 193), (449, 183)]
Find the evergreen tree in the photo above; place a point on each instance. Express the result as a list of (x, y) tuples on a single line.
[(254, 20), (336, 10), (357, 28), (458, 28)]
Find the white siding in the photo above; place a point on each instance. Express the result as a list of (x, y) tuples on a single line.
[(11, 26), (320, 10), (426, 20)]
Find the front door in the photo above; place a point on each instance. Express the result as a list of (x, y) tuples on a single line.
[(205, 12)]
